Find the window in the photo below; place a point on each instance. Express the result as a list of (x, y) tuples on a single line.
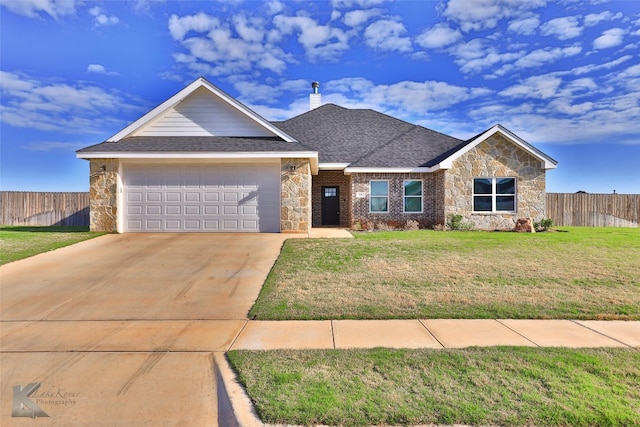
[(494, 195), (330, 192), (412, 196), (379, 196)]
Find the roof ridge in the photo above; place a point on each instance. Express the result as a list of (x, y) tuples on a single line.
[(384, 144)]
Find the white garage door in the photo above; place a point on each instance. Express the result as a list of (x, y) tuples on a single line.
[(197, 198)]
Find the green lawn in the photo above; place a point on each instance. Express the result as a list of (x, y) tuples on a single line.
[(505, 386), (22, 242), (576, 273)]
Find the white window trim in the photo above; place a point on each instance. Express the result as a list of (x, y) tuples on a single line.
[(388, 196), (494, 195), (404, 197)]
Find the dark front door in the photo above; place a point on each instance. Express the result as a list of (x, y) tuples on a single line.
[(330, 206)]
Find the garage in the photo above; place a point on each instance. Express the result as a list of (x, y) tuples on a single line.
[(201, 197)]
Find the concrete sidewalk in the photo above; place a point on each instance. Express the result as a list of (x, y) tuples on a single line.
[(225, 335), (432, 334), (435, 333)]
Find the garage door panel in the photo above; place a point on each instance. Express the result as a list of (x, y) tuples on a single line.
[(154, 225), (192, 196), (230, 196), (211, 210), (173, 196), (153, 210), (192, 210), (202, 198), (153, 196), (249, 210), (230, 224), (173, 210), (229, 210), (249, 224), (211, 225), (192, 225)]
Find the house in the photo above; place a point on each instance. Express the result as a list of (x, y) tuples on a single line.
[(202, 161)]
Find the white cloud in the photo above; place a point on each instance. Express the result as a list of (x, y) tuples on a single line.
[(54, 146), (387, 34), (215, 48), (474, 48), (347, 4), (249, 29), (609, 38), (144, 6), (53, 106), (356, 18), (402, 98), (33, 8), (200, 23), (100, 69), (540, 57), (593, 19), (524, 26), (564, 28), (319, 41), (274, 7), (480, 15), (440, 35), (541, 87), (252, 91), (102, 19), (487, 60), (633, 71)]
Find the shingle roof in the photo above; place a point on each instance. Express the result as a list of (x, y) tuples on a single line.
[(194, 144), (359, 137), (366, 138)]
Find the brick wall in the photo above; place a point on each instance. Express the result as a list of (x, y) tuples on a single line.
[(395, 217), (329, 179)]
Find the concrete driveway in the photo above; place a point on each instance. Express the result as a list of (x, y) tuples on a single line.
[(121, 329)]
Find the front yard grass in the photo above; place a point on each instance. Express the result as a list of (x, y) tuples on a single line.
[(506, 386), (18, 242), (573, 273)]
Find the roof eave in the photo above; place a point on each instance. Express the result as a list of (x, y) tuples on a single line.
[(311, 155), (360, 169)]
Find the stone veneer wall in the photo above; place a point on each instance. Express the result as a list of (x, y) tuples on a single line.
[(496, 157), (295, 197), (103, 195), (395, 217), (440, 177), (328, 179)]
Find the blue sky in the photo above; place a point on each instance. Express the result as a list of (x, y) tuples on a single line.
[(563, 75)]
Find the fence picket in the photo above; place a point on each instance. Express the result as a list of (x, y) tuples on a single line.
[(594, 210), (44, 208)]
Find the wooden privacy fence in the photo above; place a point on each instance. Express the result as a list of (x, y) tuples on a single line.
[(39, 208), (594, 210)]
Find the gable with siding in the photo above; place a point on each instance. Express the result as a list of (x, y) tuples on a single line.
[(203, 113)]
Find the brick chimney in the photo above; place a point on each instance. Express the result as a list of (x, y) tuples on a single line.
[(315, 99)]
